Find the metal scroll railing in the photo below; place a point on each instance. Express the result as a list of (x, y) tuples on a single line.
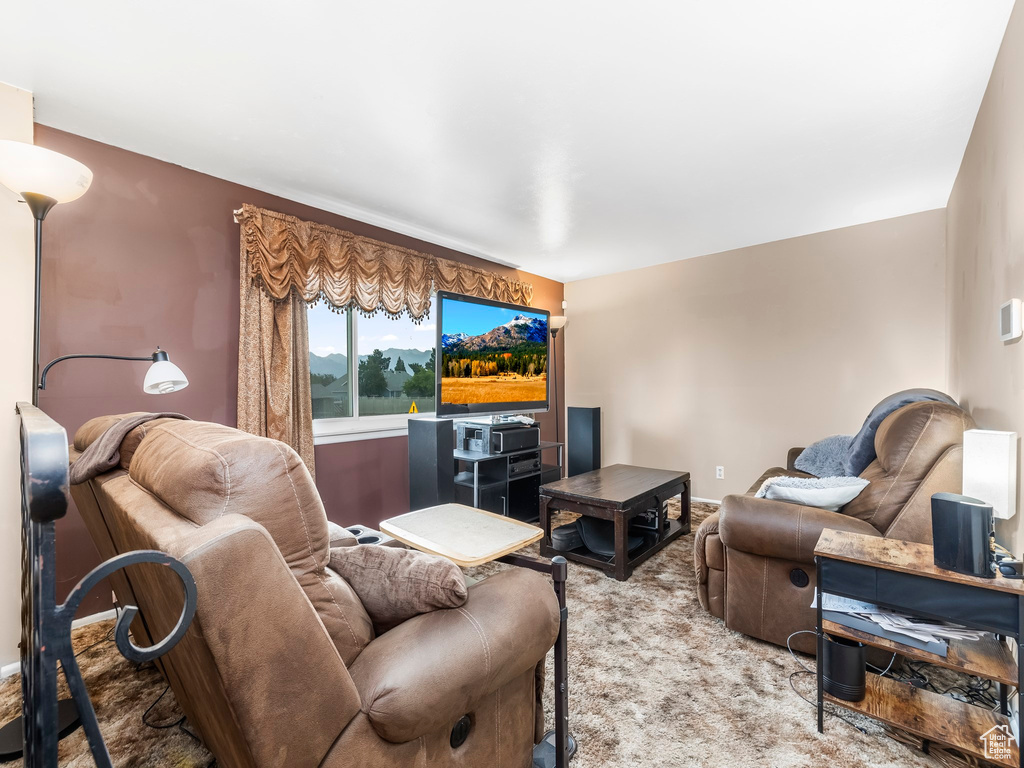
[(45, 624)]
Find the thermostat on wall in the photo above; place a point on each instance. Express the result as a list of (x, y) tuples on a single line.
[(1009, 320)]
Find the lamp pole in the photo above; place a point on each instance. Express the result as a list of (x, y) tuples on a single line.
[(40, 205), (557, 324), (554, 375), (35, 334)]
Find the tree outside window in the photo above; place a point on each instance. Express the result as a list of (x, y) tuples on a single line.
[(393, 369)]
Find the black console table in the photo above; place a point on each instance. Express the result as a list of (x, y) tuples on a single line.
[(503, 483), (489, 481)]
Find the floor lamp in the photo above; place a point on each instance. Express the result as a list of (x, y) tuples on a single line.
[(43, 179), (557, 323)]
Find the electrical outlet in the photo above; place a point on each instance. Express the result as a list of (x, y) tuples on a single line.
[(720, 473)]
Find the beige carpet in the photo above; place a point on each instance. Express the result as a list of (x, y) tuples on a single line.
[(655, 681)]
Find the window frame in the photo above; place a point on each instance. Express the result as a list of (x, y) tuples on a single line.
[(344, 429)]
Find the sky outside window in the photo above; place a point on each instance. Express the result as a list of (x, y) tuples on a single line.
[(327, 332)]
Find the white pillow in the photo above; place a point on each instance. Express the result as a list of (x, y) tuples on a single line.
[(829, 493)]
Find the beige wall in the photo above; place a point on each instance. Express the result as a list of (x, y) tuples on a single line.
[(16, 352), (733, 358), (985, 235)]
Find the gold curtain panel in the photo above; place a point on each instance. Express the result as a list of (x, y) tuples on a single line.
[(286, 257)]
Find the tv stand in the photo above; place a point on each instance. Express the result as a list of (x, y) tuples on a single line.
[(505, 483), (496, 483)]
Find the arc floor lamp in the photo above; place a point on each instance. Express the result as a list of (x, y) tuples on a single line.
[(44, 179)]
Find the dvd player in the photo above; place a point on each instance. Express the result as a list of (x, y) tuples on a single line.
[(527, 463), (496, 438)]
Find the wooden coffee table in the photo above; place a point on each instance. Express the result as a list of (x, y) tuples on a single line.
[(618, 493)]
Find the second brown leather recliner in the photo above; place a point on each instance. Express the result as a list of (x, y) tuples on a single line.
[(282, 666), (754, 557)]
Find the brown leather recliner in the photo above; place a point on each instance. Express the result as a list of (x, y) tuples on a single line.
[(755, 557), (281, 665)]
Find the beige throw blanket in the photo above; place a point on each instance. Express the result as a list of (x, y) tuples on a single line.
[(105, 452)]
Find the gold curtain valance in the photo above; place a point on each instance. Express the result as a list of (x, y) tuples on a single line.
[(287, 256)]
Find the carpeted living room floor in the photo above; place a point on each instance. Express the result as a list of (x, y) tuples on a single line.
[(654, 681)]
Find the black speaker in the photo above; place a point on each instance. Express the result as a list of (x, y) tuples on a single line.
[(961, 531), (584, 430), (431, 466), (844, 668)]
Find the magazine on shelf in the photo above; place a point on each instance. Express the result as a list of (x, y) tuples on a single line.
[(924, 634), (853, 621)]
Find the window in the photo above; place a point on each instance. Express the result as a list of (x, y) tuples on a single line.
[(396, 365), (392, 373), (328, 362)]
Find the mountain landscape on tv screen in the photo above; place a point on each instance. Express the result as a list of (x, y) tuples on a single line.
[(507, 364), (521, 329)]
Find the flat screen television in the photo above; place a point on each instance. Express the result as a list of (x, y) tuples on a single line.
[(492, 358)]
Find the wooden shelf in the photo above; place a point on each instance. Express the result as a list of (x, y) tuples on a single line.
[(903, 557), (987, 657), (929, 715), (466, 479)]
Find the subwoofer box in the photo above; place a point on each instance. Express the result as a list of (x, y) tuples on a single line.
[(584, 449)]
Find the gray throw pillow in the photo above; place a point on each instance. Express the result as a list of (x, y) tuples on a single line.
[(825, 458), (396, 584)]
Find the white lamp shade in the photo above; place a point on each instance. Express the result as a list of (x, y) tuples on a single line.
[(26, 168), (990, 469), (558, 322), (164, 377)]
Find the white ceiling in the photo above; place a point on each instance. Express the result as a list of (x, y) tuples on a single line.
[(568, 138)]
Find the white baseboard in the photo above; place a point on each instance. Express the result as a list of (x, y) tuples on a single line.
[(86, 620), (706, 501), (15, 667)]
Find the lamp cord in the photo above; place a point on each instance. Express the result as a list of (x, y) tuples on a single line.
[(805, 670)]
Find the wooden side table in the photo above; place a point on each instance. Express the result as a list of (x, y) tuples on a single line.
[(902, 575), (470, 537)]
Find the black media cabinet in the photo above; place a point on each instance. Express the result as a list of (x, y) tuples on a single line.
[(440, 474), (485, 481)]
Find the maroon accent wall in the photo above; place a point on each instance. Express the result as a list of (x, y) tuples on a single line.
[(149, 256)]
